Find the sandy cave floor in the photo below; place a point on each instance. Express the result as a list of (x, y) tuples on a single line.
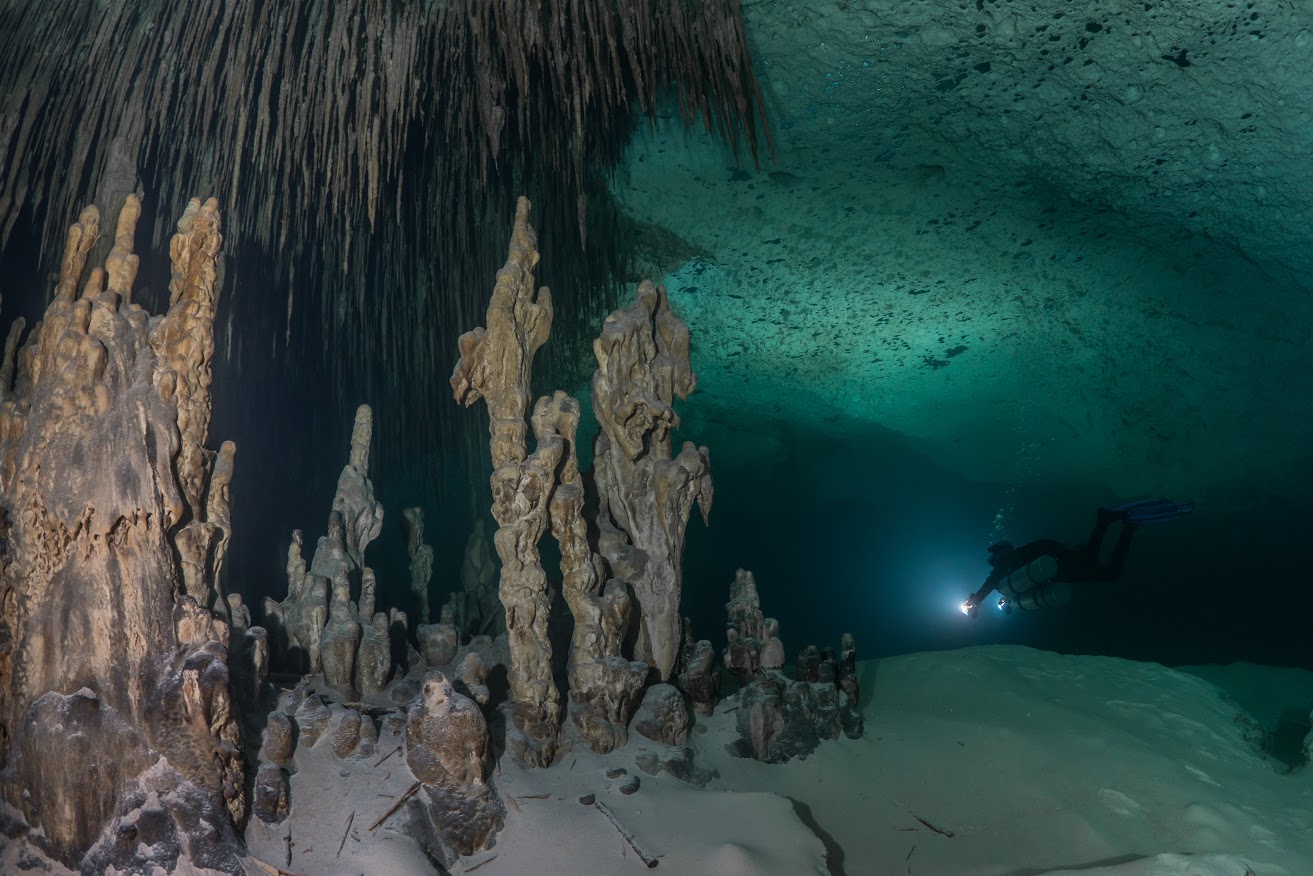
[(988, 761), (992, 761)]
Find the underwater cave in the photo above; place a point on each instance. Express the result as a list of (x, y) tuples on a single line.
[(723, 436)]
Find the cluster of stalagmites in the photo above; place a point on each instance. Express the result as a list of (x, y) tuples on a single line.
[(778, 718), (330, 628), (119, 654), (123, 665), (625, 583)]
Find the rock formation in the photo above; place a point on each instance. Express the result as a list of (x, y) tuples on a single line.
[(779, 719), (496, 365), (700, 679), (663, 716), (438, 643), (117, 738), (754, 640), (476, 610), (319, 627), (448, 750), (645, 496), (421, 561), (604, 686)]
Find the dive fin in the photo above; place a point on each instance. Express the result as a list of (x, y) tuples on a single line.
[(1152, 510)]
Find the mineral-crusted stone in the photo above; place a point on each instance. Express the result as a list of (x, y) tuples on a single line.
[(476, 607), (251, 667), (495, 365), (850, 715), (753, 639), (446, 736), (319, 625), (403, 692), (346, 732), (604, 686), (700, 680), (664, 716), (114, 519), (438, 643), (374, 656), (362, 514), (772, 652), (278, 739), (473, 677), (368, 592), (826, 671), (341, 638), (297, 623), (808, 667), (272, 793), (421, 561), (368, 736), (447, 748), (645, 495), (678, 761), (778, 720), (312, 720), (239, 614)]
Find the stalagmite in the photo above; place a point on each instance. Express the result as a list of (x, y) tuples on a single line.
[(475, 607), (318, 626), (115, 666), (645, 495), (496, 365), (753, 639), (421, 561), (604, 686), (449, 751)]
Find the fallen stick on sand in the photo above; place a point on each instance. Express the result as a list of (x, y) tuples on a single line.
[(397, 805), (379, 762), (345, 832), (534, 796), (480, 864), (271, 869), (627, 834), (938, 830)]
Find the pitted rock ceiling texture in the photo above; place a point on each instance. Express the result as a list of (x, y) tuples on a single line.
[(1034, 240)]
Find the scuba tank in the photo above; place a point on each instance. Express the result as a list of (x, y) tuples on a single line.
[(1032, 586)]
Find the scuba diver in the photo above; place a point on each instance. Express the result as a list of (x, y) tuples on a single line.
[(1036, 575)]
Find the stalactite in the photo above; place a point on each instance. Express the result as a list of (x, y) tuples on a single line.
[(350, 136)]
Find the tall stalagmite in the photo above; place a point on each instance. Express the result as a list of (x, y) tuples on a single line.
[(645, 495), (117, 737), (496, 364), (604, 686)]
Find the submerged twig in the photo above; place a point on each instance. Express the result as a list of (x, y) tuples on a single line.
[(271, 869), (379, 762), (627, 834), (939, 830), (342, 844), (480, 864), (397, 805)]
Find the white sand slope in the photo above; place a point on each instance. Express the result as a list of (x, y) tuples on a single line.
[(991, 761), (1037, 762)]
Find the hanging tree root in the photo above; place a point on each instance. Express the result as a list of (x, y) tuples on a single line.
[(643, 854)]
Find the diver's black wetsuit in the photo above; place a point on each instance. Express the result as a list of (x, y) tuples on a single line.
[(1075, 564)]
